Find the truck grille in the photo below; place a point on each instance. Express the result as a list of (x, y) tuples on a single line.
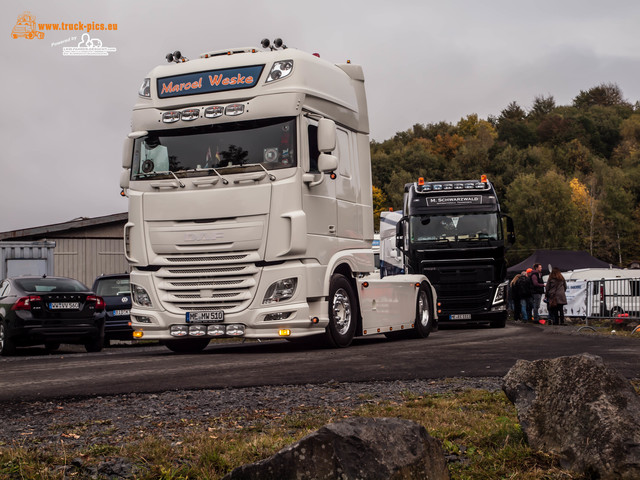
[(208, 282)]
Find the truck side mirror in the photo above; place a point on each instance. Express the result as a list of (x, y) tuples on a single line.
[(127, 152), (326, 135), (400, 240), (327, 163)]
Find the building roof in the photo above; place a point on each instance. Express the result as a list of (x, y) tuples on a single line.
[(56, 228)]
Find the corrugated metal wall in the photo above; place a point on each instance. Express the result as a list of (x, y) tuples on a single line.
[(86, 258)]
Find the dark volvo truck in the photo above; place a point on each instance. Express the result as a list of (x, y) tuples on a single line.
[(454, 233)]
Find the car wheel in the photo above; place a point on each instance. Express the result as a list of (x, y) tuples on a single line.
[(51, 346), (615, 311), (94, 345), (343, 312), (7, 347), (424, 320), (189, 345)]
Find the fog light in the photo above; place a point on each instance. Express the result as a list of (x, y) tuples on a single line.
[(179, 330), (284, 332), (235, 330), (272, 317), (216, 330), (141, 319), (138, 334), (198, 330)]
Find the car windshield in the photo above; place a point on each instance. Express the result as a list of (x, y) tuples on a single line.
[(453, 227), (112, 287), (270, 143), (45, 285)]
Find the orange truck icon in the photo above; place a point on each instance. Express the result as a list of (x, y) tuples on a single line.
[(26, 27)]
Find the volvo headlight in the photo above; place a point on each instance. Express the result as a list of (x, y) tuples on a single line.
[(500, 295), (140, 296), (280, 291)]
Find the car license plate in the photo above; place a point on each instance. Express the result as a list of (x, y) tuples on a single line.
[(117, 313), (214, 316), (64, 306), (460, 316)]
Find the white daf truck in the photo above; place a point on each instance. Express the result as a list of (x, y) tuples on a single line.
[(250, 209)]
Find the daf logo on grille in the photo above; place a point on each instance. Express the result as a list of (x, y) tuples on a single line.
[(202, 236)]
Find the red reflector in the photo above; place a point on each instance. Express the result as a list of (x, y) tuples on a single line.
[(24, 303), (99, 301)]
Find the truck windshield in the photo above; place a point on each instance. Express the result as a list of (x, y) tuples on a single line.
[(454, 227), (271, 143)]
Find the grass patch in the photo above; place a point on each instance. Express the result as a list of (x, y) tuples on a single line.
[(478, 429)]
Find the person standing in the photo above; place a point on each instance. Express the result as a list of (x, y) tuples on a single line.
[(537, 288), (515, 298), (556, 296), (523, 287)]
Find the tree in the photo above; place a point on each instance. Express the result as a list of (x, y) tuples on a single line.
[(543, 213), (542, 106), (380, 204), (605, 94)]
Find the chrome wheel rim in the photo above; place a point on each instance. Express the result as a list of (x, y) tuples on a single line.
[(423, 309), (341, 311)]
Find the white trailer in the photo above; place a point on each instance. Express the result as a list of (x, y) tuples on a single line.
[(250, 209)]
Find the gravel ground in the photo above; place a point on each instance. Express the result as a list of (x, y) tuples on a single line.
[(82, 422)]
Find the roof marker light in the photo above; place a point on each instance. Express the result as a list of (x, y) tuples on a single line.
[(421, 181), (483, 179)]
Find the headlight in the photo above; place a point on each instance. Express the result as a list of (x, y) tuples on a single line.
[(140, 296), (280, 70), (280, 291), (499, 297), (145, 88)]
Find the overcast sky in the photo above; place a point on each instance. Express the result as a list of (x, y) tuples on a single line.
[(65, 116)]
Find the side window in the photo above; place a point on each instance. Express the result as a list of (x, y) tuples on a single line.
[(312, 133)]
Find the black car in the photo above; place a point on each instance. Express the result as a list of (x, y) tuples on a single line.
[(49, 311), (116, 292)]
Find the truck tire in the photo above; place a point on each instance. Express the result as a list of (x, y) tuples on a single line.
[(343, 313), (7, 347), (501, 323), (424, 319), (189, 345)]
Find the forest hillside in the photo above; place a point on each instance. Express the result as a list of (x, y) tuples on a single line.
[(568, 175)]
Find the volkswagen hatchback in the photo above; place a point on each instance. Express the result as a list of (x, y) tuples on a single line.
[(49, 311), (115, 290)]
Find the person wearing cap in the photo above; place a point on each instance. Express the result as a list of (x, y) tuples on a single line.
[(537, 290)]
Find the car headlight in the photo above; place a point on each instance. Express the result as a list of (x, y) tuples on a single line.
[(499, 297), (280, 291), (140, 296)]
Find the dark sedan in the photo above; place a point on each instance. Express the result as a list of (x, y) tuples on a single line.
[(114, 289), (49, 311)]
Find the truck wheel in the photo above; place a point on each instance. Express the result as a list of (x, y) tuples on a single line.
[(343, 313), (189, 345), (7, 347), (499, 323), (424, 320)]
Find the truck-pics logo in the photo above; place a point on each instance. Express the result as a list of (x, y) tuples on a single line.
[(26, 27)]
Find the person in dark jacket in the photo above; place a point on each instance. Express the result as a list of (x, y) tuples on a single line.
[(523, 289), (556, 296), (537, 290), (514, 298)]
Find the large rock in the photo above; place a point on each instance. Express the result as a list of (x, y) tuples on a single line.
[(358, 448), (581, 410)]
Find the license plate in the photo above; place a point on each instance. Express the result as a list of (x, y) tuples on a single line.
[(460, 316), (64, 306), (214, 316), (117, 313)]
